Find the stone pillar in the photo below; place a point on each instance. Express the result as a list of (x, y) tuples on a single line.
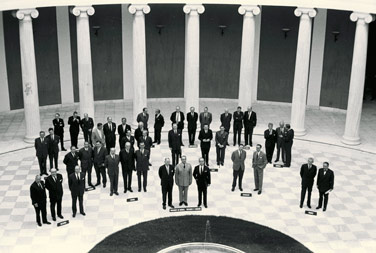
[(358, 70), (29, 73), (192, 55), (299, 97), (139, 58), (85, 75), (247, 59)]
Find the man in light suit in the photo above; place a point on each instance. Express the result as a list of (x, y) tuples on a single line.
[(175, 143), (74, 128), (250, 121), (39, 199), (127, 159), (192, 118), (205, 118), (205, 136), (123, 128), (86, 156), (71, 160), (109, 130), (201, 174), (166, 174), (87, 125), (259, 162), (77, 188), (59, 129), (99, 156), (112, 164), (238, 166), (221, 138), (325, 184), (98, 135), (226, 120), (143, 117), (158, 124), (183, 179), (142, 166), (41, 148), (53, 148), (177, 117), (54, 184), (307, 173)]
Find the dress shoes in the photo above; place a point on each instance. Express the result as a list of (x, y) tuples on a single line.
[(309, 206), (130, 189), (172, 206), (198, 205), (39, 224), (54, 218), (259, 192), (74, 215), (181, 203), (241, 189), (104, 185), (64, 149), (164, 207), (324, 209), (145, 190), (111, 194), (125, 191), (318, 207), (255, 189), (232, 189), (222, 164), (206, 206), (139, 190), (97, 184), (185, 203), (116, 193), (301, 206), (47, 222), (60, 216), (83, 213), (276, 160), (150, 164)]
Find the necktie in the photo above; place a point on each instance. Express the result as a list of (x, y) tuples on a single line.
[(200, 169), (73, 155), (175, 131), (184, 166), (98, 150), (78, 178), (42, 139), (257, 155), (167, 169), (142, 152), (39, 184), (309, 166), (249, 116), (240, 153), (206, 115), (112, 157), (110, 126), (52, 137), (54, 178)]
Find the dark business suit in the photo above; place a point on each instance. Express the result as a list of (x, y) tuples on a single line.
[(98, 160), (324, 184), (86, 158), (147, 141), (289, 136), (238, 125), (87, 126), (175, 143), (270, 140), (222, 140), (122, 131), (308, 176), (181, 120), (205, 119), (38, 196), (53, 150), (112, 165), (142, 167), (144, 119), (109, 135), (281, 143), (202, 180), (167, 182), (59, 130), (74, 129), (41, 148), (158, 124), (127, 159), (192, 127), (77, 188), (70, 161), (138, 134), (124, 140), (205, 146), (55, 189), (250, 121), (226, 121)]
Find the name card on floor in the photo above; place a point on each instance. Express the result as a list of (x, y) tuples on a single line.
[(182, 209), (193, 146), (247, 147), (278, 165), (213, 170), (132, 199), (311, 213), (91, 188), (246, 194), (62, 223)]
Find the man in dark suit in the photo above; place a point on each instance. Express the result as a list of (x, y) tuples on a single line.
[(53, 148), (158, 124), (281, 131), (238, 166), (307, 173), (205, 118), (41, 148), (74, 129), (178, 118), (289, 136), (325, 184), (221, 138), (201, 174), (270, 136), (250, 121), (86, 156), (122, 131), (166, 174), (109, 130), (226, 120), (143, 117), (77, 188), (71, 160), (59, 129), (38, 199), (87, 125), (112, 164), (205, 136), (138, 132), (148, 142), (238, 124), (127, 159), (175, 143), (192, 118), (127, 138), (54, 184), (99, 156), (142, 166)]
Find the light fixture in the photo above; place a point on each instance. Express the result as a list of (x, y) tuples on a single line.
[(335, 34), (96, 29), (222, 27), (160, 27), (286, 30)]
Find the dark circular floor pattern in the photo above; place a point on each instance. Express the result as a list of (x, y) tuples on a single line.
[(155, 235)]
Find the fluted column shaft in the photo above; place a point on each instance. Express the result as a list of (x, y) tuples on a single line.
[(85, 73), (299, 97), (29, 73), (358, 70), (139, 58), (192, 55), (247, 60)]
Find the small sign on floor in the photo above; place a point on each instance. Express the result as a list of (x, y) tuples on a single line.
[(132, 199), (278, 165), (311, 212), (213, 170), (62, 223), (193, 146), (246, 194), (91, 188), (183, 209)]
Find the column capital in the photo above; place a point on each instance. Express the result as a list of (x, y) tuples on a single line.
[(188, 8), (26, 14), (83, 10), (363, 17), (249, 10), (309, 12), (133, 8)]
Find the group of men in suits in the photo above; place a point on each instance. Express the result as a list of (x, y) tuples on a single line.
[(47, 146), (284, 137)]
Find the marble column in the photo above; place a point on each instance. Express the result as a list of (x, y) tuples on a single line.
[(29, 73), (192, 55), (358, 70), (85, 75), (139, 58), (299, 96), (247, 59)]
